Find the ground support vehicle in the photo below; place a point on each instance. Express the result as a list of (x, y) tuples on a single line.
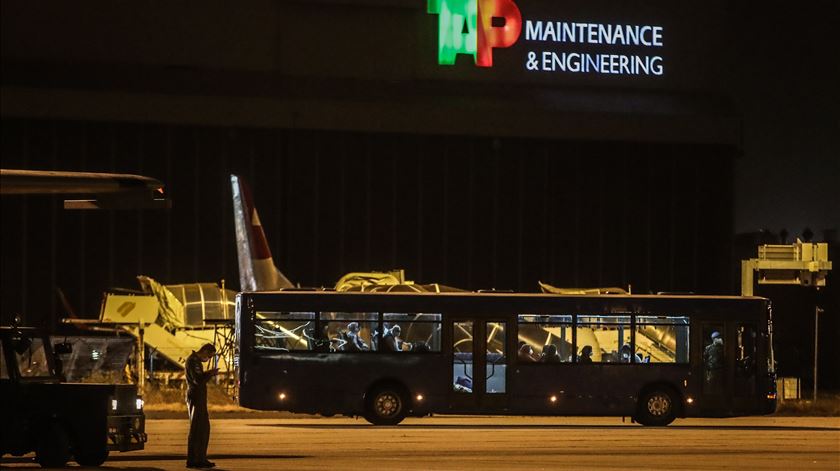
[(58, 420)]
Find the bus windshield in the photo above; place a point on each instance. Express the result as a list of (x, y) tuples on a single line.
[(32, 361)]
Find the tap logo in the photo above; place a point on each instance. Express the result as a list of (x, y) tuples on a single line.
[(475, 27)]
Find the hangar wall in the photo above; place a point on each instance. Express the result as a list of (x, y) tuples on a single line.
[(363, 65), (474, 212), (363, 151)]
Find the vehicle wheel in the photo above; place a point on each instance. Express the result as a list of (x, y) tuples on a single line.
[(92, 456), (53, 449), (657, 407), (386, 405)]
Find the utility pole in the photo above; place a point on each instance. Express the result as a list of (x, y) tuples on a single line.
[(141, 359), (817, 312)]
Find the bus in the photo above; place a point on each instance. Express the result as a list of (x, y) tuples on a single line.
[(386, 356)]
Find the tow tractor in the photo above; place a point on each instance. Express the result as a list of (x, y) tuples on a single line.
[(58, 420)]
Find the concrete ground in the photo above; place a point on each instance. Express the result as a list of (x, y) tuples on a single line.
[(488, 443)]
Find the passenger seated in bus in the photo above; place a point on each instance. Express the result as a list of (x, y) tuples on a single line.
[(585, 354), (375, 338), (463, 384), (526, 353), (550, 355), (354, 340), (396, 331), (391, 341), (627, 354)]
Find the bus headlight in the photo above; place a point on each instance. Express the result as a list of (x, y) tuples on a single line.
[(419, 397), (552, 399), (689, 400), (281, 396), (138, 403)]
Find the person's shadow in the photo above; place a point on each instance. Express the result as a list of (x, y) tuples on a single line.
[(212, 456), (115, 462), (28, 460)]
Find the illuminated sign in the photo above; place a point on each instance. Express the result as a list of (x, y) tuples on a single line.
[(476, 27)]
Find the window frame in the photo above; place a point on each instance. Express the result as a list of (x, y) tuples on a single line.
[(672, 323), (571, 324), (280, 316), (318, 322), (440, 322), (632, 323), (48, 361)]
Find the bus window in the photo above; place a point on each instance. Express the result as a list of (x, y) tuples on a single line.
[(496, 368), (662, 339), (608, 337), (415, 332), (283, 331), (462, 357), (349, 331), (714, 359), (548, 336)]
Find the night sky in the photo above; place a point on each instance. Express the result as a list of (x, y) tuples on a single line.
[(789, 176)]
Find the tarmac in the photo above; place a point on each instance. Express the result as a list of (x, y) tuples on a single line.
[(492, 443)]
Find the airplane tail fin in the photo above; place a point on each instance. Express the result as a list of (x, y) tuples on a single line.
[(257, 271)]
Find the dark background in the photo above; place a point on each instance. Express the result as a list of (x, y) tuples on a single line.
[(478, 213), (364, 154)]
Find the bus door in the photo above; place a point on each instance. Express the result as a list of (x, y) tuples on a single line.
[(745, 336), (479, 358), (713, 367)]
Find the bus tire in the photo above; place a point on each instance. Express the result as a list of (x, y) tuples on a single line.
[(386, 405), (657, 407), (53, 447)]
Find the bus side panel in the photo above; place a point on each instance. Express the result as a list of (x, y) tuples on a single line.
[(336, 383), (593, 389)]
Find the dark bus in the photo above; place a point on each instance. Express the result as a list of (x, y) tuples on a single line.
[(385, 356)]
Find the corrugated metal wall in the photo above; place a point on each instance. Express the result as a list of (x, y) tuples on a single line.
[(465, 211)]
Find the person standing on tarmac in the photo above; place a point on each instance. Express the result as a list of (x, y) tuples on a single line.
[(197, 379)]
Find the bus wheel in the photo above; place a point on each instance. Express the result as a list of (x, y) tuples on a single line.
[(386, 405), (657, 407)]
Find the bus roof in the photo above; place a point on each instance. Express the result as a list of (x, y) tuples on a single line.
[(467, 294)]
